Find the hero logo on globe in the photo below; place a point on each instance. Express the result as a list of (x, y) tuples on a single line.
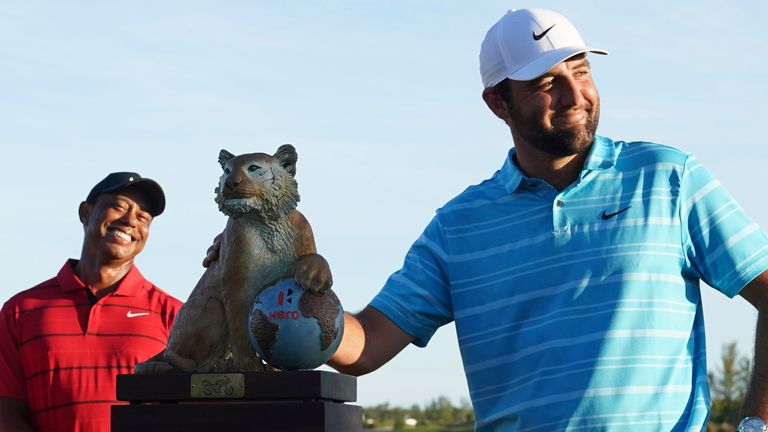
[(281, 296), (283, 315), (284, 297)]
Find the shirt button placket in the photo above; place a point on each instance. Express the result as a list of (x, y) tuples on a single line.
[(558, 219)]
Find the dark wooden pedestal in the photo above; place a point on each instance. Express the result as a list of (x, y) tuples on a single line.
[(301, 401)]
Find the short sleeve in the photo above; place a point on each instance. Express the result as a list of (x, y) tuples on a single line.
[(724, 247), (417, 297), (11, 371)]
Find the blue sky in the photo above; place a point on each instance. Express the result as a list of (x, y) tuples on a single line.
[(381, 100)]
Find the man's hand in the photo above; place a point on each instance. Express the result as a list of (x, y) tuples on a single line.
[(313, 273), (369, 341), (213, 252)]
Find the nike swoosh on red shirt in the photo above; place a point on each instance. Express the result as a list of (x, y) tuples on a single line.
[(131, 314)]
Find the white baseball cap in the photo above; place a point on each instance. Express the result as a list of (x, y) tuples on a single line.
[(526, 43)]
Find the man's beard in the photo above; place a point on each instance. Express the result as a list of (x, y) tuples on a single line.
[(558, 141)]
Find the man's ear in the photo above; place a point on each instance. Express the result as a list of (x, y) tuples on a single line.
[(496, 103), (83, 211)]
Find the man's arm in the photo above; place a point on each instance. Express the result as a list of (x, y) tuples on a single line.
[(756, 401), (370, 340), (14, 416)]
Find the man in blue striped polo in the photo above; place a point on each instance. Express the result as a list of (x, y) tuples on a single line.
[(573, 273)]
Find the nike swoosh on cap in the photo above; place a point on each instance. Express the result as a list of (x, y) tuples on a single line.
[(542, 34)]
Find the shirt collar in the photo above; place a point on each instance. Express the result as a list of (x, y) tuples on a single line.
[(510, 175), (131, 285), (601, 156)]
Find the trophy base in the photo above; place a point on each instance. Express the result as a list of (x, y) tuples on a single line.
[(311, 401)]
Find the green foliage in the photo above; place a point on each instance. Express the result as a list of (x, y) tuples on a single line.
[(728, 387), (437, 415)]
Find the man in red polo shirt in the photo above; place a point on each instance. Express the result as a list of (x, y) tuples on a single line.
[(63, 342)]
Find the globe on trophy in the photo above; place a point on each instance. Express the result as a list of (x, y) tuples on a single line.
[(294, 329)]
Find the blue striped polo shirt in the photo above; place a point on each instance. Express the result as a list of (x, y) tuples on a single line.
[(581, 309)]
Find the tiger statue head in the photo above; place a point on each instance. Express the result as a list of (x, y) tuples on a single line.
[(257, 184)]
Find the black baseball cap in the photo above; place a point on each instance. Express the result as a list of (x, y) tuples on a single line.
[(122, 180)]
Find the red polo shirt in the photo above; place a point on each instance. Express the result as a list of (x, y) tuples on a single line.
[(61, 354)]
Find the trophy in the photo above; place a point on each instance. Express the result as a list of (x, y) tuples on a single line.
[(242, 348)]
